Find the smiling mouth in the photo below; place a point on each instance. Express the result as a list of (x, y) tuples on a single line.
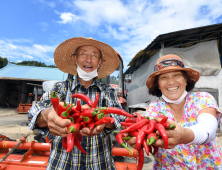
[(87, 67), (173, 89)]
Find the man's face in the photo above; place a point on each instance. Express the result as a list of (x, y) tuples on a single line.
[(88, 58)]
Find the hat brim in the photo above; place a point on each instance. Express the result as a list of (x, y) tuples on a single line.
[(193, 74), (63, 56)]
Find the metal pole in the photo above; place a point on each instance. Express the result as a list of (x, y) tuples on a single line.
[(12, 149)]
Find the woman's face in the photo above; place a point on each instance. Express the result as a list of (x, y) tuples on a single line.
[(172, 84)]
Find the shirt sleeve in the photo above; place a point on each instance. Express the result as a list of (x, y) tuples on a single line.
[(208, 101), (45, 102), (111, 100)]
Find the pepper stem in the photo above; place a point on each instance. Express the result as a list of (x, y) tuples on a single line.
[(54, 95), (151, 141), (162, 113), (124, 145), (155, 157), (129, 137)]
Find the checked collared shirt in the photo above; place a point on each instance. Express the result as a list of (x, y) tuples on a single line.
[(98, 147)]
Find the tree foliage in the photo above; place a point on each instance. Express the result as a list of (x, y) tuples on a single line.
[(3, 62), (113, 80), (34, 63)]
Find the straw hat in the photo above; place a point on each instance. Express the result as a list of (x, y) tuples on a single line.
[(63, 56), (170, 63)]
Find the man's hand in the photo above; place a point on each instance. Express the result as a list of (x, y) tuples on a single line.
[(97, 129), (57, 125)]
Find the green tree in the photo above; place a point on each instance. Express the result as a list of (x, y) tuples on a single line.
[(3, 62), (34, 63)]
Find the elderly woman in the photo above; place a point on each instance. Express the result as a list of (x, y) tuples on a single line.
[(193, 143)]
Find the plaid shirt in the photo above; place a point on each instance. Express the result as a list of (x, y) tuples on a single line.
[(98, 147)]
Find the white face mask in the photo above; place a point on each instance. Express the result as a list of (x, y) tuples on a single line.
[(178, 101), (87, 76)]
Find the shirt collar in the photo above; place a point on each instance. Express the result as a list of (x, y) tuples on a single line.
[(76, 83)]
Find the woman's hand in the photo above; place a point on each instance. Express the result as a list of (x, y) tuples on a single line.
[(179, 135)]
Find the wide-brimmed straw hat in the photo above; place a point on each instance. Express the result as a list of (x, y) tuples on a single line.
[(63, 56), (169, 63)]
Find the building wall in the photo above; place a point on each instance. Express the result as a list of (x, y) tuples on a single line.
[(212, 82)]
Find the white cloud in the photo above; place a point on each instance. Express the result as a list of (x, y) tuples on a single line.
[(19, 61), (39, 52), (13, 47), (39, 47), (49, 3), (67, 17), (28, 56), (134, 24)]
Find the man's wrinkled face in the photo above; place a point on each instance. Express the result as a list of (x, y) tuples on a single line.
[(88, 58)]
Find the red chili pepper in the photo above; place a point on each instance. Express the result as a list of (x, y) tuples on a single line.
[(63, 108), (141, 158), (83, 124), (134, 133), (83, 97), (116, 111), (55, 102), (146, 147), (79, 119), (78, 145), (129, 120), (98, 116), (141, 135), (73, 127), (91, 125), (163, 133), (65, 114), (96, 101), (89, 113), (152, 138), (73, 111), (126, 124), (78, 106), (172, 126), (70, 142), (119, 139), (64, 143), (75, 115), (163, 120), (135, 126), (105, 120), (79, 137), (139, 118), (151, 126), (166, 125), (87, 120)]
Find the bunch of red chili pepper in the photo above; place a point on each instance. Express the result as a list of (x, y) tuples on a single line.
[(144, 130), (81, 118)]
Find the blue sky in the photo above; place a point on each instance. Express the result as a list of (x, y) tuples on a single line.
[(32, 29)]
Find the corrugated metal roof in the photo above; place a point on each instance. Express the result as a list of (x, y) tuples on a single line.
[(18, 72), (179, 39)]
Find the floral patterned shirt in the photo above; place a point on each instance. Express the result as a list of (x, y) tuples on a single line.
[(207, 156)]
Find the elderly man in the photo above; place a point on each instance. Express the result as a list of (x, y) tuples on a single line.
[(88, 60)]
